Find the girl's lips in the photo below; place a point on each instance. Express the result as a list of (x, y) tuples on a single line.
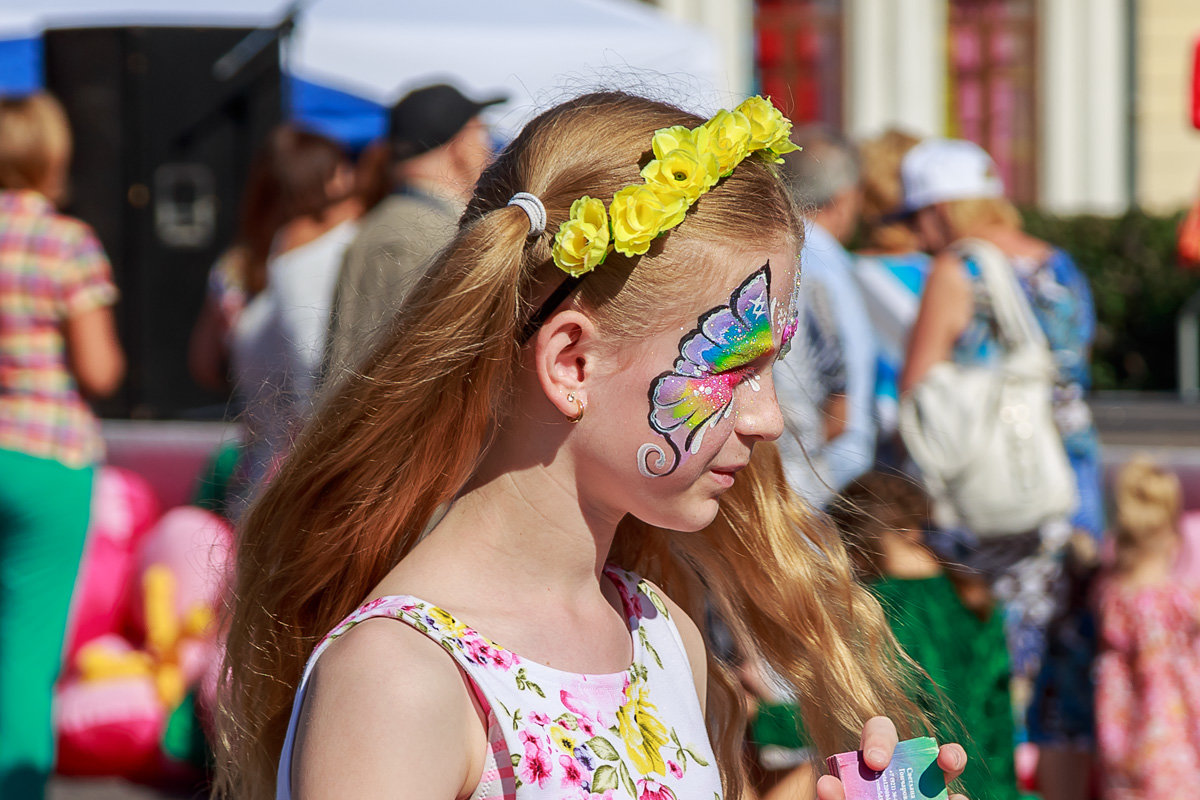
[(724, 475), (723, 478)]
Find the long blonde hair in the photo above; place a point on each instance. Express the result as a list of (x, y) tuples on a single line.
[(402, 435), (1149, 502)]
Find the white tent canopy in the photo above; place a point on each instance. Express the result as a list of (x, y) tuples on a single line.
[(535, 51)]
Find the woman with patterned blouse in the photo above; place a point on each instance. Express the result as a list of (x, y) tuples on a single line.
[(58, 344)]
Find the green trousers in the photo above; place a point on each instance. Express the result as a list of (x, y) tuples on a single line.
[(44, 509)]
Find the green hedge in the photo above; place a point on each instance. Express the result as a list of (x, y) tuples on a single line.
[(1138, 287)]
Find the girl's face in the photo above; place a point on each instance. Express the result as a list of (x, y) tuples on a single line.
[(677, 416)]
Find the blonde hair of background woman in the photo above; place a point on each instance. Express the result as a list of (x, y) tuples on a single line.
[(883, 193), (1149, 503), (34, 138), (967, 216), (401, 437)]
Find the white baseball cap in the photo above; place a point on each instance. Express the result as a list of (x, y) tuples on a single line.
[(941, 170)]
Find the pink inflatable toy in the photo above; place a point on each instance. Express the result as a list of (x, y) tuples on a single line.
[(112, 726), (113, 709), (123, 509), (195, 547)]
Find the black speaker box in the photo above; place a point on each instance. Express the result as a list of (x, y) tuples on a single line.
[(164, 132)]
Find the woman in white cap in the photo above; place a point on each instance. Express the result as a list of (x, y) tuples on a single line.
[(954, 192)]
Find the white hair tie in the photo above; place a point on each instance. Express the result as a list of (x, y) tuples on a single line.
[(534, 209)]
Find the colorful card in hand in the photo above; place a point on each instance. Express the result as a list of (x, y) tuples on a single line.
[(913, 774)]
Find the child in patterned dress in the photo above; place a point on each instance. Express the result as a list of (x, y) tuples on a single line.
[(1148, 675)]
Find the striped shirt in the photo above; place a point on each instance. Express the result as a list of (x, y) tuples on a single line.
[(51, 268)]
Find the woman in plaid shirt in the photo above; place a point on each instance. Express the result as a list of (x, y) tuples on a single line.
[(58, 343)]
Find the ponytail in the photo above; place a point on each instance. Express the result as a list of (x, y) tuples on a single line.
[(343, 508)]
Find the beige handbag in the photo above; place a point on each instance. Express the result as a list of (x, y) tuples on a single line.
[(984, 436)]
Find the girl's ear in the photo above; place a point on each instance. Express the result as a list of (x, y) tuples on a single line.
[(565, 351)]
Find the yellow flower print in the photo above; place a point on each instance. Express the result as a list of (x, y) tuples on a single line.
[(641, 731), (582, 242), (769, 129), (728, 138), (640, 213), (447, 623), (562, 740)]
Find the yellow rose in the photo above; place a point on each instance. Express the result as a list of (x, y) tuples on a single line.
[(674, 138), (582, 242), (682, 162), (684, 171), (640, 213), (642, 732), (769, 129), (728, 138)]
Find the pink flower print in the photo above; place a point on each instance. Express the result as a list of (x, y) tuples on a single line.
[(607, 795), (502, 658), (573, 774), (371, 606), (535, 766), (478, 651), (633, 605), (675, 769), (594, 701), (531, 739), (586, 726), (652, 790), (538, 718)]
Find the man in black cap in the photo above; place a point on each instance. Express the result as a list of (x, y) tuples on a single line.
[(439, 147)]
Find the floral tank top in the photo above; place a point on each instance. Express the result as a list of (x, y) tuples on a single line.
[(554, 735)]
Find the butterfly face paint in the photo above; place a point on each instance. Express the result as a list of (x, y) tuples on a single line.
[(713, 359)]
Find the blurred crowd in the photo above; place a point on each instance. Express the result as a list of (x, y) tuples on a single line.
[(1076, 632)]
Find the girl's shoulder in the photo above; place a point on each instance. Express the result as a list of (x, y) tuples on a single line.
[(364, 716)]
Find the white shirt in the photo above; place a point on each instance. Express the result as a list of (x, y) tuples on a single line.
[(278, 343)]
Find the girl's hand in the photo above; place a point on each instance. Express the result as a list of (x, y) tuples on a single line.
[(879, 740)]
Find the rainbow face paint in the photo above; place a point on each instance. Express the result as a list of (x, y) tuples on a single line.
[(713, 359)]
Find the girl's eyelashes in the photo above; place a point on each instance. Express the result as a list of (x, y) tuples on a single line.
[(750, 376)]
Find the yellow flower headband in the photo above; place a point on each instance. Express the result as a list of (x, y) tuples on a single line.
[(687, 163)]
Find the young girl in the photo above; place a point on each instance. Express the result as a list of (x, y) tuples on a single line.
[(944, 620), (506, 477), (1148, 675)]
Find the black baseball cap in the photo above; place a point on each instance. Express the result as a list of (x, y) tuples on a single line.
[(429, 117)]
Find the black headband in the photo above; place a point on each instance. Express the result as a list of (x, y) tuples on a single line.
[(550, 305)]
